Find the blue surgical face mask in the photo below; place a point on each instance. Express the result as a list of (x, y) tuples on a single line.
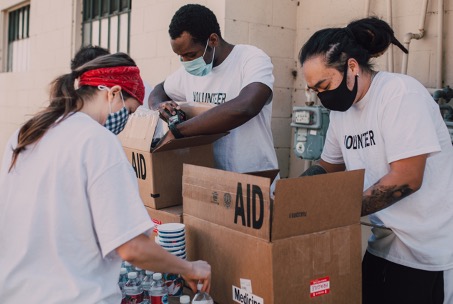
[(198, 67), (116, 121)]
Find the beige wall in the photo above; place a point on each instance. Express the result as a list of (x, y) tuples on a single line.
[(279, 27), (50, 51)]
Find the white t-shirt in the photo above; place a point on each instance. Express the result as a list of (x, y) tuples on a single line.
[(249, 147), (65, 207), (398, 119), (148, 90)]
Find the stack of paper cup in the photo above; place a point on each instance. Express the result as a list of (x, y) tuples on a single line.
[(172, 237)]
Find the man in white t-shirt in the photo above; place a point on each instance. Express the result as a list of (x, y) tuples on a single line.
[(237, 79), (389, 125)]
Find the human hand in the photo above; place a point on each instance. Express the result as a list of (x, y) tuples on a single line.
[(167, 109), (200, 272)]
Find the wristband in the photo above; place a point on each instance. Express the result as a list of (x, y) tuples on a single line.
[(174, 130)]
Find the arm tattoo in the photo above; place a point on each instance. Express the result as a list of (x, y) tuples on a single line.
[(383, 196)]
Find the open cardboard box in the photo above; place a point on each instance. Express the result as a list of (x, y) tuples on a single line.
[(302, 247), (166, 215), (159, 170)]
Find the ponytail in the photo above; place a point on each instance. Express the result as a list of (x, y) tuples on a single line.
[(362, 40), (64, 101), (375, 35)]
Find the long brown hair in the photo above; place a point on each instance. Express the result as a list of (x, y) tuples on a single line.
[(64, 100)]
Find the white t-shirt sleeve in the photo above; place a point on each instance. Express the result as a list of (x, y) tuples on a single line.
[(331, 152), (117, 210), (174, 85), (408, 126), (258, 67)]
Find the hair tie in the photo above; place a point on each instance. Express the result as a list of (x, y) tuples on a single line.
[(349, 33)]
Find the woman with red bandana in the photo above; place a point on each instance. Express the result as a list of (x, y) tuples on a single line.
[(70, 209)]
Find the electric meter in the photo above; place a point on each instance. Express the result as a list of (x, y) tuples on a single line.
[(310, 127)]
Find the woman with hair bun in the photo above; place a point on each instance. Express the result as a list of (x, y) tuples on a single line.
[(70, 209), (389, 125)]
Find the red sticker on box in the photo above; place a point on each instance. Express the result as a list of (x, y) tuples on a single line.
[(319, 287)]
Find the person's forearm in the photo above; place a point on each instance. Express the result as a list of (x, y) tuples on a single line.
[(379, 197), (229, 115), (405, 177), (217, 120), (147, 254), (157, 96)]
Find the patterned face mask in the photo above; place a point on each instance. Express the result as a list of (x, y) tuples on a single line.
[(115, 121)]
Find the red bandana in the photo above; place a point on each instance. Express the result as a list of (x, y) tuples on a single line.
[(127, 77)]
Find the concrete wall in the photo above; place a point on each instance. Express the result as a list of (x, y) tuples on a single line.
[(279, 27), (51, 44)]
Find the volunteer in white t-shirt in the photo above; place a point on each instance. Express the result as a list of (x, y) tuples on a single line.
[(237, 79), (389, 125), (70, 209)]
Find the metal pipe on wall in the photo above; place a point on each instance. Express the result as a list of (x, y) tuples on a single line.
[(409, 36), (440, 32), (367, 8), (390, 50)]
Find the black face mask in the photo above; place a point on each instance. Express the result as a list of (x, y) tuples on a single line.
[(339, 99)]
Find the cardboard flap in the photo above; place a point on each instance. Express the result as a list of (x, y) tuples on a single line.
[(237, 201), (315, 203), (187, 142), (139, 131), (272, 174)]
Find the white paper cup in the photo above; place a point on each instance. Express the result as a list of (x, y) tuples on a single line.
[(175, 249), (172, 240), (170, 228), (171, 235), (172, 245)]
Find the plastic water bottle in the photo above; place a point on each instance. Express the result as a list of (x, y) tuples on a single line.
[(146, 285), (123, 278), (202, 297), (140, 273), (158, 291), (184, 300), (133, 289), (128, 266)]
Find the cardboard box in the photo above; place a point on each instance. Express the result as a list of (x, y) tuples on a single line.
[(159, 170), (302, 247), (164, 216)]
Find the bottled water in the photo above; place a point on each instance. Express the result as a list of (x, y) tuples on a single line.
[(140, 273), (133, 289), (128, 266), (202, 297), (146, 285), (158, 291), (123, 278)]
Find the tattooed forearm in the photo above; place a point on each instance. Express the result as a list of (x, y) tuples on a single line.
[(383, 196)]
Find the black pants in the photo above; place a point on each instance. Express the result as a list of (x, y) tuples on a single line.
[(385, 282)]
